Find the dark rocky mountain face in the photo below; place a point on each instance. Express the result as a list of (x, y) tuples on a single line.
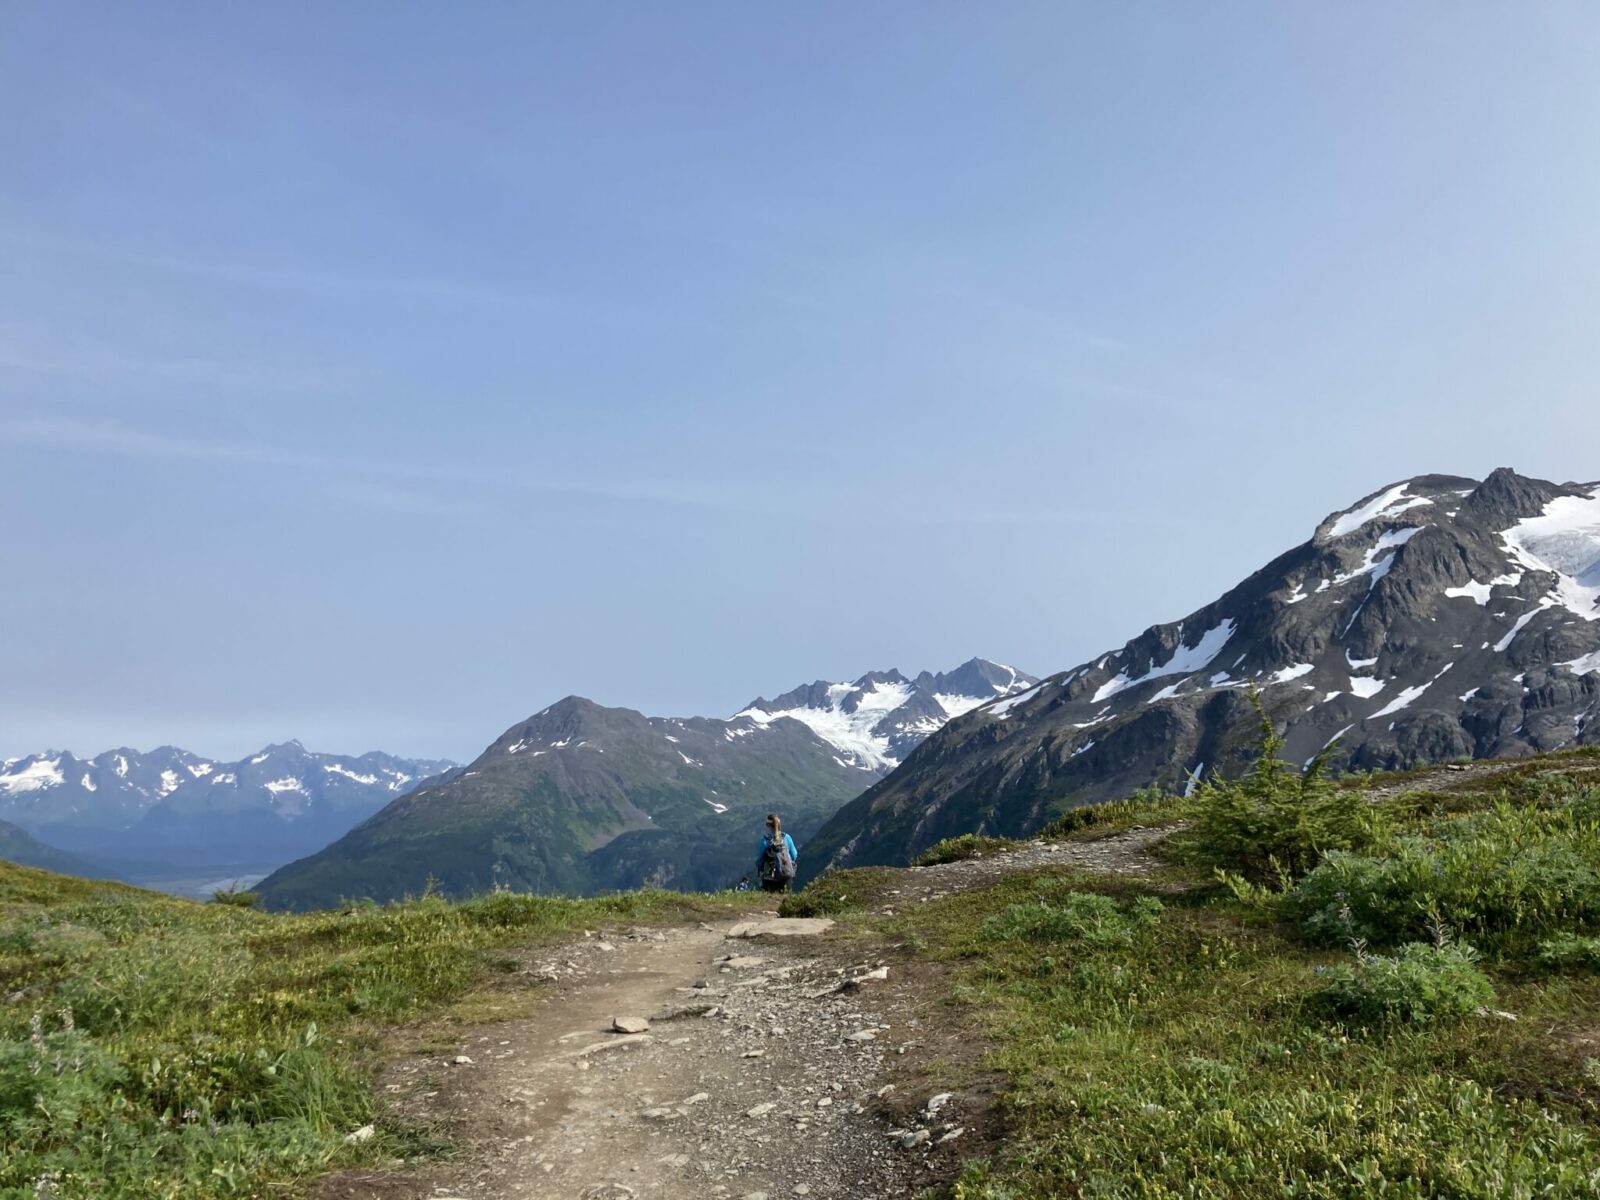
[(580, 798), (1439, 618), (170, 807)]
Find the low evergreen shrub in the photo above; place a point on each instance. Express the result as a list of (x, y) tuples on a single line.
[(1276, 822)]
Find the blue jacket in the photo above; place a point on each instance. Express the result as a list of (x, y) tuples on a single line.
[(766, 840)]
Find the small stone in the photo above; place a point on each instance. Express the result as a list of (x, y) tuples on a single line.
[(885, 1090), (753, 1054), (802, 1189), (674, 1160), (938, 1102), (952, 1135), (697, 1098), (862, 1035), (461, 1060), (629, 1025), (365, 1133), (911, 1140), (761, 1110), (660, 1114)]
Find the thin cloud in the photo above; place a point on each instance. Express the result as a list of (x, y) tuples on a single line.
[(121, 441), (35, 352)]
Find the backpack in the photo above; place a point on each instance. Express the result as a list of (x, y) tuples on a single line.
[(776, 861)]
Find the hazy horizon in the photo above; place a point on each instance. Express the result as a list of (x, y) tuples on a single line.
[(376, 377)]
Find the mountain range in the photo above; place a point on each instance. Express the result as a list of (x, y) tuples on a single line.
[(146, 815), (1438, 618), (582, 798)]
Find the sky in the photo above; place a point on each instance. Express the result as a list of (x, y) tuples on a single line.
[(375, 374)]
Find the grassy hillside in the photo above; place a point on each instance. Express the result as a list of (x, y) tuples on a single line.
[(584, 799), (1411, 1015), (1375, 987), (152, 1047)]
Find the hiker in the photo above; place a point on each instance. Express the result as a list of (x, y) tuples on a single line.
[(744, 883), (775, 863)]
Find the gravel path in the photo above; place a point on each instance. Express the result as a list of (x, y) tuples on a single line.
[(713, 1061)]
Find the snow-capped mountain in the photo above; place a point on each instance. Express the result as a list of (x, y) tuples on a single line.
[(109, 791), (170, 803), (584, 798), (1438, 618), (876, 721)]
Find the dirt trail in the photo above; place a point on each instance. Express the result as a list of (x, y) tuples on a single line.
[(772, 1066)]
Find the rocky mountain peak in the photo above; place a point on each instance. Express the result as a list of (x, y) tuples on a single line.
[(1436, 618)]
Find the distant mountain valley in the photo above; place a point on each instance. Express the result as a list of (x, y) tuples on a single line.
[(172, 819), (582, 798)]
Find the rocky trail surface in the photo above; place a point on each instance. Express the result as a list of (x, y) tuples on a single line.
[(760, 1059)]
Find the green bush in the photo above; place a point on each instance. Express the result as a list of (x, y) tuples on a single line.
[(1569, 952), (1276, 822), (238, 897), (1419, 984), (1504, 878), (1086, 917), (957, 849)]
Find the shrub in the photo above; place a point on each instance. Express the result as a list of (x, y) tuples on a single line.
[(1276, 821), (1569, 952), (237, 897), (1146, 804), (957, 849), (1504, 877), (1421, 983), (1086, 917)]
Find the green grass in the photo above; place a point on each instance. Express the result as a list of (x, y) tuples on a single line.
[(1170, 1037), (158, 1048)]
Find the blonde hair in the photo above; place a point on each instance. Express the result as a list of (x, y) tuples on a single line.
[(777, 825)]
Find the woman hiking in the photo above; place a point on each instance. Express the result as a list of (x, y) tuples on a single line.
[(775, 863)]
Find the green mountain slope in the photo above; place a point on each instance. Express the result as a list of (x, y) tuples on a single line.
[(21, 847), (580, 799)]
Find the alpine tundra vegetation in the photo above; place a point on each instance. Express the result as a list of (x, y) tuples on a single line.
[(1400, 1001)]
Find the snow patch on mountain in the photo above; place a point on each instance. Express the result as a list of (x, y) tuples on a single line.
[(1565, 539), (1185, 660), (1383, 506), (853, 732), (876, 721), (33, 775)]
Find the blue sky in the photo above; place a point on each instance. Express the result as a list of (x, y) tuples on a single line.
[(374, 374)]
